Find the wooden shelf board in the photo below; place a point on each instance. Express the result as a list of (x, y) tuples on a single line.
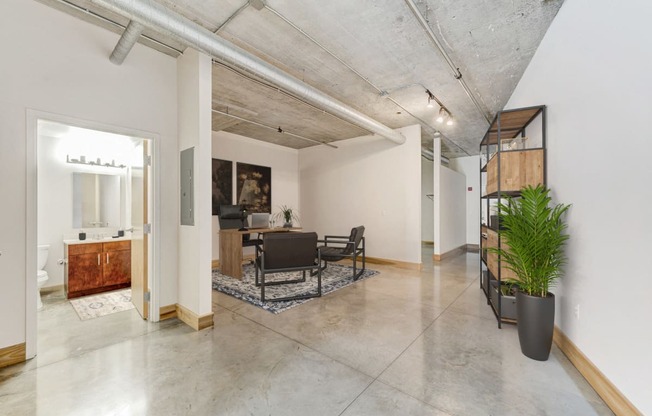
[(503, 194), (511, 124)]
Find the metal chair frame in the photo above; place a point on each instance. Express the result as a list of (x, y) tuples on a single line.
[(343, 242), (260, 266)]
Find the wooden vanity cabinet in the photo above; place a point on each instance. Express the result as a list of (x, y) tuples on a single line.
[(116, 268), (97, 267)]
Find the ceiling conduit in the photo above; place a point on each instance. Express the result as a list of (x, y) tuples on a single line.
[(456, 71), (126, 42), (158, 18)]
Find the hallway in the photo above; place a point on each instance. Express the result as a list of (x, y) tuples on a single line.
[(400, 343)]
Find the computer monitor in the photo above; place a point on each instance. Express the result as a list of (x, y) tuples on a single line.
[(259, 220)]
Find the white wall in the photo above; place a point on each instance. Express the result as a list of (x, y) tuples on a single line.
[(59, 64), (593, 70), (194, 83), (367, 181), (427, 204), (470, 168), (450, 195), (285, 172)]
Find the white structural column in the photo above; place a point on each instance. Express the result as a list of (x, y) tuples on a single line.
[(194, 99), (449, 189), (436, 177)]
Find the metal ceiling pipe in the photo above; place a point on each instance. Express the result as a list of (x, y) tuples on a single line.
[(114, 23), (126, 42), (456, 71), (230, 18), (154, 16)]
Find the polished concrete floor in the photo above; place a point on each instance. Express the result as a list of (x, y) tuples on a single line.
[(401, 343)]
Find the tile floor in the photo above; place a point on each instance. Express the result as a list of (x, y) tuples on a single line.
[(401, 343)]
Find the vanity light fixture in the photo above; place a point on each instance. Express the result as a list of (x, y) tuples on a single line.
[(97, 162)]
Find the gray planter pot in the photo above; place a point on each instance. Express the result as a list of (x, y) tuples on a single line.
[(536, 322), (507, 303)]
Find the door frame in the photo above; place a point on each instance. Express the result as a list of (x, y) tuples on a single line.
[(31, 213)]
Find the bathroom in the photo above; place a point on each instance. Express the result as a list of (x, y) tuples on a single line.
[(90, 190)]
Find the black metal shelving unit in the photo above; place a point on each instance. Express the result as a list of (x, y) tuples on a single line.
[(507, 163)]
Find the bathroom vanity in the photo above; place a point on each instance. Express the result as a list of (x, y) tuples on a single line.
[(96, 266)]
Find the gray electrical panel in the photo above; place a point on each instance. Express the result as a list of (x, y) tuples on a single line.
[(186, 182)]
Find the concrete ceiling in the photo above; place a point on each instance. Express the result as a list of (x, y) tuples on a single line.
[(372, 55)]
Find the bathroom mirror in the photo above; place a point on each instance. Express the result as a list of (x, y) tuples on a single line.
[(96, 200)]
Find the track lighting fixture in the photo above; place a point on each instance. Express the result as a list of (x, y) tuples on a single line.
[(431, 98), (443, 114)]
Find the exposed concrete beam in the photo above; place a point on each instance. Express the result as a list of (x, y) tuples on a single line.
[(159, 18)]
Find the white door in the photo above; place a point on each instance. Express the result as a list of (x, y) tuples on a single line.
[(139, 239)]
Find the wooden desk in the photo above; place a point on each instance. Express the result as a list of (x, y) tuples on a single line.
[(231, 248)]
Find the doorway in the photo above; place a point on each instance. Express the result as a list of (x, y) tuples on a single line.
[(66, 150)]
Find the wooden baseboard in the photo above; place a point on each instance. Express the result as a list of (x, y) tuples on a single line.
[(452, 253), (215, 264), (193, 320), (12, 355), (616, 401), (428, 243), (51, 289), (167, 312), (473, 248), (394, 263)]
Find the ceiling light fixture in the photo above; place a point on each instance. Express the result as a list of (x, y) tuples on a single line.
[(444, 114), (430, 97)]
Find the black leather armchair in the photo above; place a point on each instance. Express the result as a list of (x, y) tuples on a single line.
[(287, 252), (336, 248)]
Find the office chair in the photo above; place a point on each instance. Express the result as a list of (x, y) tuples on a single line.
[(235, 217)]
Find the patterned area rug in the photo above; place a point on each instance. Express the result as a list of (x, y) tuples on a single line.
[(335, 277), (94, 306)]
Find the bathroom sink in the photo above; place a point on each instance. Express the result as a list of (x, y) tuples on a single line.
[(90, 240)]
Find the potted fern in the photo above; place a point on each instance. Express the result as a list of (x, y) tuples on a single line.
[(288, 215), (534, 237)]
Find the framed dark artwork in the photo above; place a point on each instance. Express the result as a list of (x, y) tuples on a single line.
[(254, 187), (222, 176)]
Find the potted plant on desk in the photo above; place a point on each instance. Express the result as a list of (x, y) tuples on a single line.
[(288, 215), (534, 239)]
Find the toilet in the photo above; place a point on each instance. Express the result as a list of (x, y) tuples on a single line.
[(41, 275)]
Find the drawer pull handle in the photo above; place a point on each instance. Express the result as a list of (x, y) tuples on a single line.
[(98, 259), (107, 258)]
